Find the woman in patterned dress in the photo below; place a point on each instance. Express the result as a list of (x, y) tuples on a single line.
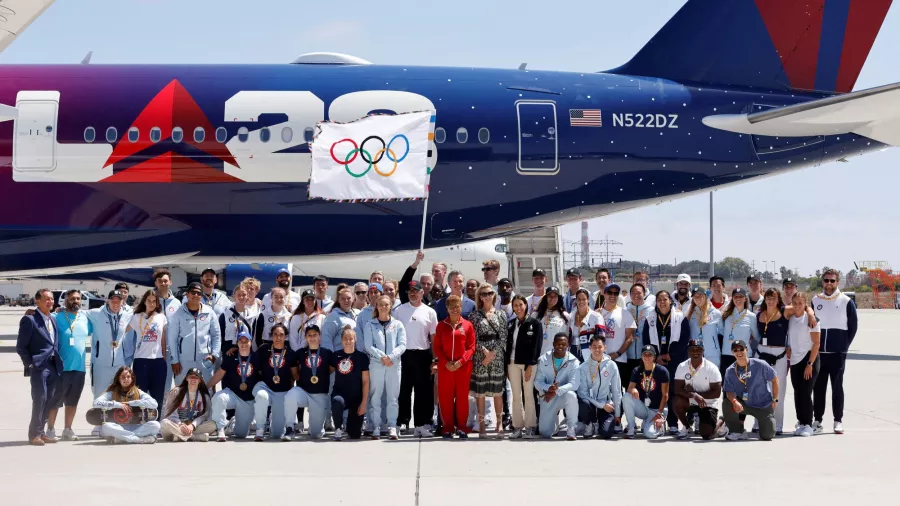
[(489, 374)]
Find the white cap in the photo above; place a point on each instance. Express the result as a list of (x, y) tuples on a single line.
[(682, 277)]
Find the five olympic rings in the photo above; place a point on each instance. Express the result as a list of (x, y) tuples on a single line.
[(359, 150)]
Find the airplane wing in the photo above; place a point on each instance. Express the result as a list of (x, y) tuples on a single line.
[(16, 15), (872, 113)]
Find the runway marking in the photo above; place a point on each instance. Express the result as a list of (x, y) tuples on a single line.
[(872, 416), (418, 471)]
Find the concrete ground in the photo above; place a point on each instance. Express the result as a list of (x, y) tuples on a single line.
[(827, 469)]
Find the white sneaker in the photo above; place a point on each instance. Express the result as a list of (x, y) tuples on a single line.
[(722, 430), (817, 427), (51, 433), (734, 436), (147, 440), (69, 435), (392, 433), (220, 436), (570, 434), (424, 431), (516, 434), (838, 428), (683, 433), (338, 435), (405, 430), (806, 431), (798, 430)]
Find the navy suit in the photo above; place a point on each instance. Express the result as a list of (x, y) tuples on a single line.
[(40, 354)]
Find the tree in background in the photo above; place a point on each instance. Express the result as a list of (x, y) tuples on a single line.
[(733, 268)]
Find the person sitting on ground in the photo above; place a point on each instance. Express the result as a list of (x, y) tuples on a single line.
[(698, 386), (187, 410), (124, 394), (751, 386)]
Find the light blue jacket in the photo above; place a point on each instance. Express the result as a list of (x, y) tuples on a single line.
[(742, 330), (336, 320), (193, 338), (104, 323), (381, 341), (597, 386), (170, 304), (218, 301), (634, 351), (566, 378), (105, 402), (709, 332)]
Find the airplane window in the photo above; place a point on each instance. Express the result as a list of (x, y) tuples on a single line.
[(111, 134), (155, 134), (500, 248), (308, 134), (265, 135), (177, 134), (243, 134), (287, 134), (199, 134), (89, 134), (462, 135), (221, 135), (484, 135), (133, 134), (440, 135)]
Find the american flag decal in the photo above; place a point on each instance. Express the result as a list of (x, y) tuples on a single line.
[(585, 118)]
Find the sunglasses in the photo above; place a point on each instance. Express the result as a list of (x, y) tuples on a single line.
[(611, 292), (486, 269), (194, 293), (829, 281), (486, 294), (360, 293)]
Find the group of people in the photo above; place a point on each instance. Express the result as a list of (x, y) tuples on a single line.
[(213, 366)]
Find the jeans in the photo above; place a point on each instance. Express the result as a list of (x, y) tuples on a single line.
[(263, 397), (129, 433), (315, 403), (549, 421), (385, 382), (225, 400), (635, 408)]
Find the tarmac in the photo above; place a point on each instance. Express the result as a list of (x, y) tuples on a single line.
[(856, 467)]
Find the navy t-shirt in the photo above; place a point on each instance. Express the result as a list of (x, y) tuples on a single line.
[(306, 359), (659, 377), (265, 364), (348, 371), (232, 379)]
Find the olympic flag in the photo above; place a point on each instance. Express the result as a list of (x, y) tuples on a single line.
[(383, 157)]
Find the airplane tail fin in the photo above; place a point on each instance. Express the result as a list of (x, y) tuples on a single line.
[(814, 45)]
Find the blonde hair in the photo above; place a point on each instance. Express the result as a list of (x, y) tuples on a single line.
[(252, 284), (704, 315), (378, 301), (493, 264), (482, 287)]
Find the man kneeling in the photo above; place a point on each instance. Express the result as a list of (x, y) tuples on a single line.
[(747, 387), (556, 383), (698, 386)]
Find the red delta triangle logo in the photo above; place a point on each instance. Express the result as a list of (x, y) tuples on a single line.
[(172, 107)]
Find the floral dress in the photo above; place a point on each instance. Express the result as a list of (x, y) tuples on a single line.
[(490, 332)]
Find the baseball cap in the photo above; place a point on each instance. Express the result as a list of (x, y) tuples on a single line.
[(697, 289), (376, 285), (504, 280), (573, 272), (695, 343), (414, 286), (311, 327), (740, 343), (213, 271), (648, 349), (283, 270), (753, 277), (612, 285), (243, 334), (553, 289), (194, 286), (538, 272), (115, 293), (739, 291), (307, 293), (193, 371), (683, 277), (788, 281)]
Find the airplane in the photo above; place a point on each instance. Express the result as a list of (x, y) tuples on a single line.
[(141, 165)]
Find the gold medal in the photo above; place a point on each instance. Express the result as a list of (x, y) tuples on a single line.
[(243, 386), (276, 379), (314, 380), (115, 344)]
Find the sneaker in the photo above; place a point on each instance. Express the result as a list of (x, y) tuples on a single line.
[(807, 431), (260, 435), (722, 429), (288, 434), (817, 427), (683, 433), (404, 429), (229, 428), (95, 432), (798, 430), (838, 428), (516, 434), (529, 433), (734, 436), (507, 421), (51, 433), (220, 436), (376, 434), (462, 435), (200, 438), (629, 434), (425, 431), (392, 433), (69, 435), (338, 435), (447, 435), (147, 440), (673, 431), (570, 434)]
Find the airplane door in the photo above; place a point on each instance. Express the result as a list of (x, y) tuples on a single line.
[(34, 143), (538, 147)]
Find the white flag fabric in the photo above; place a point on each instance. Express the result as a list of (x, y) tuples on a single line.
[(375, 158)]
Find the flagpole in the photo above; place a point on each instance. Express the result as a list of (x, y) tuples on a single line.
[(425, 212)]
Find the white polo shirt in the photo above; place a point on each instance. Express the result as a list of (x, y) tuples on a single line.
[(420, 323), (700, 379)]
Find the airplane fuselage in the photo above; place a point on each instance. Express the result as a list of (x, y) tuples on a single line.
[(211, 163)]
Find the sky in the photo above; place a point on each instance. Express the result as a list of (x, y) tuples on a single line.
[(844, 212)]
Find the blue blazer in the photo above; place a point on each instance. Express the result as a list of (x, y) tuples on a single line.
[(34, 345)]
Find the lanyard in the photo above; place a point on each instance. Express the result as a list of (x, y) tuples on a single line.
[(647, 380), (211, 300), (737, 318), (277, 363), (666, 323), (193, 404), (243, 367), (314, 361), (114, 327), (768, 319), (71, 323)]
